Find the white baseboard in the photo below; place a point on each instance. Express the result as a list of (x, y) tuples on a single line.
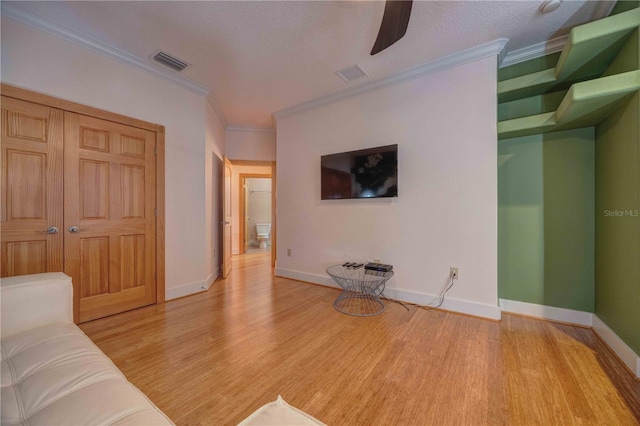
[(455, 305), (449, 304), (192, 288), (305, 276), (547, 312), (621, 349)]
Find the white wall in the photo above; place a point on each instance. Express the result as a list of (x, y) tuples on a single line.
[(35, 60), (250, 144), (237, 170), (446, 213)]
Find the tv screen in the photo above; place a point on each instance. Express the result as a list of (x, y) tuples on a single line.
[(366, 173)]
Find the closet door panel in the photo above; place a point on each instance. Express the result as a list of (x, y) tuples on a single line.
[(31, 201), (109, 215)]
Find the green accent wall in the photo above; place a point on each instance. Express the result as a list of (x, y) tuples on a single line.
[(569, 198), (528, 67), (521, 219), (546, 220), (624, 5), (617, 260)]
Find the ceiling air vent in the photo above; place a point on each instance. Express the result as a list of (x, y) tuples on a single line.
[(169, 61), (351, 73)]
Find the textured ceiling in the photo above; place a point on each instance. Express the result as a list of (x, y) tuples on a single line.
[(261, 57)]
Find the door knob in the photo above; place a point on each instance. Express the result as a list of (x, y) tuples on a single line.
[(74, 229), (52, 230)]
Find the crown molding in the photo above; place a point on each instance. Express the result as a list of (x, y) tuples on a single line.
[(17, 14), (492, 48), (250, 129), (534, 51), (603, 9), (215, 107)]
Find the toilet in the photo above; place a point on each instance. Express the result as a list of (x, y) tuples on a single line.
[(263, 231)]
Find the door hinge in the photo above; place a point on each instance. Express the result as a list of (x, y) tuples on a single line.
[(155, 150), (156, 212)]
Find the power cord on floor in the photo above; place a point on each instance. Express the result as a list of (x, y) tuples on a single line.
[(440, 299)]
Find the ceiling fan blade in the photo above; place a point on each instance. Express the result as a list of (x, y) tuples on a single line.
[(394, 24)]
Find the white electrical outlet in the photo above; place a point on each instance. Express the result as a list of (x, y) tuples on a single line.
[(453, 271)]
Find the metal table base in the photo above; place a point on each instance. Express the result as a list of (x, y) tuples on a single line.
[(360, 291)]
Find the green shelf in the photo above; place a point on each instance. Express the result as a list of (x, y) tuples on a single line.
[(590, 47)]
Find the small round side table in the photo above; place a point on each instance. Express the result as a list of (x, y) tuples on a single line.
[(361, 290)]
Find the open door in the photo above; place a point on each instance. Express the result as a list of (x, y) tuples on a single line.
[(226, 219), (244, 215), (273, 215)]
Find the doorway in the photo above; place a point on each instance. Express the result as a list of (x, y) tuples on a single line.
[(256, 213), (240, 168)]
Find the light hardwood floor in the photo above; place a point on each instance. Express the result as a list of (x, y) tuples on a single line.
[(215, 357)]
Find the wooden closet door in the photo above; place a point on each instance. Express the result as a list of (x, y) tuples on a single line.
[(31, 201), (109, 215)]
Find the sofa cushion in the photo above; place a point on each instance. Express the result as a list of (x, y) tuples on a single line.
[(55, 375), (32, 301), (279, 413)]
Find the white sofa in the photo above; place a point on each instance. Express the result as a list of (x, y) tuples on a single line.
[(52, 373)]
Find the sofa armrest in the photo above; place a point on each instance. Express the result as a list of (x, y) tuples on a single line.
[(31, 301)]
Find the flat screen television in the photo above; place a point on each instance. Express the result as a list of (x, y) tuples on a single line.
[(366, 173)]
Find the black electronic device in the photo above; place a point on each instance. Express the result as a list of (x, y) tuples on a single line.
[(379, 267), (366, 173)]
